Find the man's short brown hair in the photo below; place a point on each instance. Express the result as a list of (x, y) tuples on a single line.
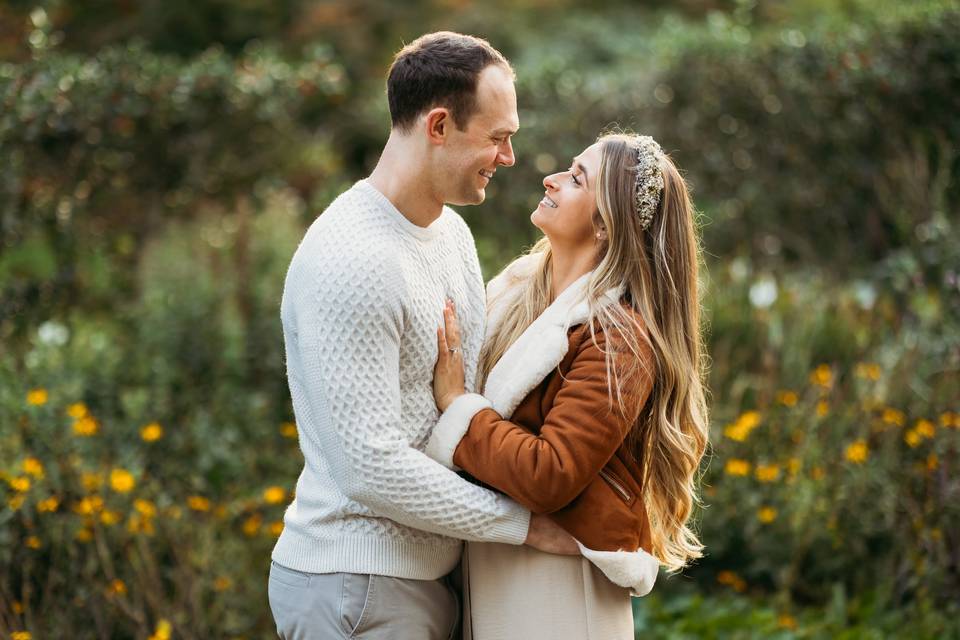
[(438, 69)]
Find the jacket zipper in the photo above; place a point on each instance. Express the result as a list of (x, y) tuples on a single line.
[(613, 482)]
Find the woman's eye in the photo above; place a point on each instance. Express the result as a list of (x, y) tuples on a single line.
[(574, 178)]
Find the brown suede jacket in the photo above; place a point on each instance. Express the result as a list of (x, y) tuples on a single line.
[(562, 451)]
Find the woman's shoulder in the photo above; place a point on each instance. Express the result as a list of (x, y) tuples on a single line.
[(513, 274), (630, 328)]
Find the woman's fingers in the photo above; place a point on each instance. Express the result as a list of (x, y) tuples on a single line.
[(442, 352), (451, 324)]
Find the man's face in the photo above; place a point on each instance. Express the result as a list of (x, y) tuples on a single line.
[(471, 156)]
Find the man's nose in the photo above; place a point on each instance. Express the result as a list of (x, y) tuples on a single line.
[(506, 157)]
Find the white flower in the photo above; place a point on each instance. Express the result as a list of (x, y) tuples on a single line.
[(763, 293), (53, 333), (865, 294)]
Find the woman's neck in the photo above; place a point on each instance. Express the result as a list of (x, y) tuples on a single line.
[(566, 267)]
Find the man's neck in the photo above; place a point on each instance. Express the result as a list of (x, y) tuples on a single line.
[(567, 266), (401, 176)]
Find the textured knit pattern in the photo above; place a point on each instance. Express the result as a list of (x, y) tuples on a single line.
[(361, 305)]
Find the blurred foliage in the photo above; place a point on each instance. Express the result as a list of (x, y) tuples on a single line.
[(162, 159)]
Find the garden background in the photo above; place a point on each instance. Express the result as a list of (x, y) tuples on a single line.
[(161, 159)]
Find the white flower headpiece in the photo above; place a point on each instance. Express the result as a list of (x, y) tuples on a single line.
[(649, 183)]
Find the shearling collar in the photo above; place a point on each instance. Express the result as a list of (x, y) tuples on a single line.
[(543, 345)]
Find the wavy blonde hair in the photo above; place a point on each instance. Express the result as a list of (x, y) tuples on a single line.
[(658, 267)]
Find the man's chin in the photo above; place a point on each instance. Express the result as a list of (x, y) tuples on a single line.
[(468, 199)]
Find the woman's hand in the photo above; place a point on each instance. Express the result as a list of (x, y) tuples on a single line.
[(448, 382)]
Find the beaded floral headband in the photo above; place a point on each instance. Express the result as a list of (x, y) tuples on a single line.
[(649, 183)]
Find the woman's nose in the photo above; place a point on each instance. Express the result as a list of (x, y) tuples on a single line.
[(550, 181)]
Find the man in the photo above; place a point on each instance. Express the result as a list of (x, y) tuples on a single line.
[(376, 525)]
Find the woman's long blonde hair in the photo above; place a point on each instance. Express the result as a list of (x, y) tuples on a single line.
[(658, 268)]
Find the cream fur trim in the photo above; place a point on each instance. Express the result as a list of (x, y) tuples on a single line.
[(451, 427), (540, 348), (634, 570)]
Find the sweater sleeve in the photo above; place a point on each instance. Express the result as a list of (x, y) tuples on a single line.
[(349, 341), (579, 435)]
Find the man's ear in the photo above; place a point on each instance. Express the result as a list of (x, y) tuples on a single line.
[(438, 123)]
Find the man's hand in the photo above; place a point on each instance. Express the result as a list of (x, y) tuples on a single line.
[(546, 535)]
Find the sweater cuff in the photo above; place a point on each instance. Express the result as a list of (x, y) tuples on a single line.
[(452, 426), (512, 527)]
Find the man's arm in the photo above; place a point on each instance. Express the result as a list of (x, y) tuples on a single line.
[(348, 340)]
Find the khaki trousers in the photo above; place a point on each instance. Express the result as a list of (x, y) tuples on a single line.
[(324, 606)]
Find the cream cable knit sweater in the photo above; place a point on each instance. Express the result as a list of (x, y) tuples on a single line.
[(361, 305)]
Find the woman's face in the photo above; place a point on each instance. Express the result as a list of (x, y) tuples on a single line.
[(566, 212)]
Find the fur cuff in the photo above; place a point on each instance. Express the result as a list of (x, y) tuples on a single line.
[(452, 426), (634, 570)]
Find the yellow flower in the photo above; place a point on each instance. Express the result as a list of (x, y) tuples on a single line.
[(817, 473), (84, 535), (766, 515), (912, 438), (37, 397), (822, 376), (33, 542), (145, 508), (857, 451), (151, 432), (198, 503), (77, 410), (33, 467), (17, 607), (86, 426), (274, 495), (20, 483), (15, 502), (894, 417), (767, 472), (109, 518), (741, 429), (21, 635), (288, 430), (932, 462), (925, 428), (251, 526), (49, 505), (823, 408), (869, 370), (726, 577), (117, 587), (91, 481), (163, 630), (793, 466), (737, 467), (950, 419), (732, 579), (88, 505), (787, 398), (276, 528), (121, 480), (786, 621), (222, 583), (138, 523)]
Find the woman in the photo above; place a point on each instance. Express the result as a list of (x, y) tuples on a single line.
[(593, 408)]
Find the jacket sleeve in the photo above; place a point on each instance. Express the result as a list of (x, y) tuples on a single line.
[(580, 434)]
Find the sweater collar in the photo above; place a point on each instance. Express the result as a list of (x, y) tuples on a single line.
[(420, 233)]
